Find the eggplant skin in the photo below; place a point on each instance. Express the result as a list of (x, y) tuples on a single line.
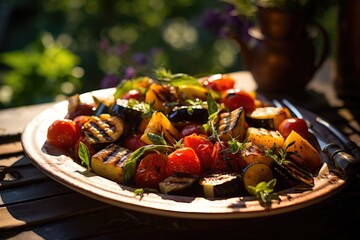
[(180, 184), (189, 114), (220, 185)]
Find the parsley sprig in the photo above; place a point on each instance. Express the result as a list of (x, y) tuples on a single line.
[(264, 191)]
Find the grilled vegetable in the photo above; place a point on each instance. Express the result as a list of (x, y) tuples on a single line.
[(103, 129), (159, 96), (160, 125), (179, 184), (196, 114), (267, 117), (131, 115), (221, 184), (192, 92), (309, 157), (264, 137), (109, 162), (231, 125), (253, 153), (256, 173)]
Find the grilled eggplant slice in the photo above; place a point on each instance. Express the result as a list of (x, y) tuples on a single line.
[(231, 125), (130, 115), (110, 161), (179, 184), (221, 184), (103, 129), (196, 114), (267, 117)]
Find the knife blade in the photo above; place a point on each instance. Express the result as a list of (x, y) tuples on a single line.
[(345, 162)]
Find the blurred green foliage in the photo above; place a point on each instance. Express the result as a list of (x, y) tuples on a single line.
[(53, 48)]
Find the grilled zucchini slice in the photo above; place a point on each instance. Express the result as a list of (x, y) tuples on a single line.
[(256, 173), (109, 162), (158, 96), (254, 153), (103, 129), (231, 125), (267, 117), (179, 184)]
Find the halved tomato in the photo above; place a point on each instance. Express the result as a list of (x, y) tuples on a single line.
[(151, 171), (234, 99), (225, 161), (202, 147), (183, 160), (219, 82)]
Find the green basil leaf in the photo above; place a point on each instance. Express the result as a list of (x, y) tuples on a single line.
[(84, 155), (156, 139), (213, 108)]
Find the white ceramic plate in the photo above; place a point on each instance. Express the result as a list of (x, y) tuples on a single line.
[(63, 169)]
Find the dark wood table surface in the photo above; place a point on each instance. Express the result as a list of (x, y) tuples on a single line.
[(33, 206)]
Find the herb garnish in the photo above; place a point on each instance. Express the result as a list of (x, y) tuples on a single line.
[(84, 155), (264, 191)]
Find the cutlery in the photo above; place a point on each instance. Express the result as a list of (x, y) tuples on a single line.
[(345, 162)]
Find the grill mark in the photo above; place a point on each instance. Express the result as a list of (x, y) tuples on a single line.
[(101, 131), (237, 114)]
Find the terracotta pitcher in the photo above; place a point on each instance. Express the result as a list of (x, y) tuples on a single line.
[(281, 52)]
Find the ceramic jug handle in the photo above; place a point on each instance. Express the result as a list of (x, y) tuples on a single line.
[(324, 46)]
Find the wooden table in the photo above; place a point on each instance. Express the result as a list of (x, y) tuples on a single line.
[(33, 206)]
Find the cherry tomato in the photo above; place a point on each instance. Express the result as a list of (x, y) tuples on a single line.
[(219, 82), (183, 160), (151, 171), (223, 160), (297, 124), (233, 99), (190, 129), (133, 141), (132, 94), (63, 133), (202, 147)]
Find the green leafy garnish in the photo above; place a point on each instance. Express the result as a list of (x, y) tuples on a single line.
[(84, 155), (156, 139), (264, 191), (178, 79), (235, 146), (130, 84)]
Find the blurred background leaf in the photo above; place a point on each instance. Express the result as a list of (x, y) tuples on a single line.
[(51, 49)]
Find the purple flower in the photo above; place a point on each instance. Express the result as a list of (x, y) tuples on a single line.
[(139, 59), (109, 81), (130, 72), (121, 49)]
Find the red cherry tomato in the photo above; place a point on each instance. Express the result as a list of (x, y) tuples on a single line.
[(202, 147), (183, 160), (223, 160), (80, 120), (297, 124), (151, 171), (132, 94), (233, 99), (219, 82), (63, 133), (190, 129), (133, 142)]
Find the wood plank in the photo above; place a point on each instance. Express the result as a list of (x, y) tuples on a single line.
[(14, 120), (15, 161), (28, 175), (11, 148), (44, 210), (31, 192)]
